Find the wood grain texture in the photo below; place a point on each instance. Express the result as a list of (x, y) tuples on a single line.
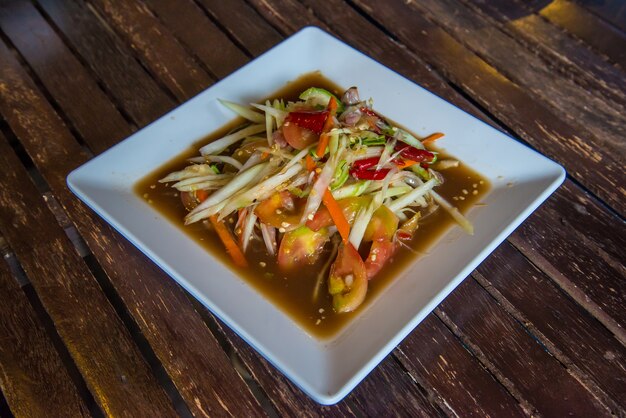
[(581, 247), (529, 368), (60, 72), (102, 349), (570, 56), (565, 327), (601, 172), (587, 27), (189, 23), (199, 368), (155, 46), (32, 376), (110, 59), (600, 115), (455, 379), (244, 26), (613, 11)]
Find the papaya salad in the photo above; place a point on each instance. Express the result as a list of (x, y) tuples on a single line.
[(319, 175)]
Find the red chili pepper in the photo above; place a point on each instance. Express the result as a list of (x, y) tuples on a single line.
[(365, 163), (370, 174), (412, 153), (313, 120)]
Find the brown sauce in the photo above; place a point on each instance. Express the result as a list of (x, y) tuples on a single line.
[(293, 293)]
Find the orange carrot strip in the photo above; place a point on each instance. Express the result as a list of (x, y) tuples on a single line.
[(201, 195), (337, 215), (229, 242), (321, 146), (328, 125), (405, 164), (310, 164), (432, 137)]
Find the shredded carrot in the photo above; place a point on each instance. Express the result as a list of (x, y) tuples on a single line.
[(229, 242), (337, 215), (432, 137), (405, 164), (328, 125), (310, 164), (265, 155), (321, 146), (201, 195)]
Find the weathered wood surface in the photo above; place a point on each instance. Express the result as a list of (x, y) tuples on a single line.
[(29, 363), (543, 333)]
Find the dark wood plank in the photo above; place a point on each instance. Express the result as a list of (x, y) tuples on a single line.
[(570, 56), (110, 59), (578, 106), (587, 27), (73, 88), (566, 328), (290, 16), (155, 46), (529, 368), (244, 25), (435, 359), (601, 172), (29, 363), (194, 28), (613, 11), (581, 247), (98, 342), (199, 368), (389, 389)]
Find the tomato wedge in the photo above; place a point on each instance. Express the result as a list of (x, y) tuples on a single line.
[(347, 282)]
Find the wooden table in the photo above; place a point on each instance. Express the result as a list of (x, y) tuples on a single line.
[(89, 326)]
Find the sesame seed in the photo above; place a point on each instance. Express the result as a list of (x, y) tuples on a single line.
[(474, 185), (373, 257), (318, 322), (481, 182), (278, 211), (145, 195), (475, 192), (310, 217), (465, 191), (461, 198), (281, 229), (262, 263), (455, 198), (150, 201), (152, 186), (321, 310), (284, 224)]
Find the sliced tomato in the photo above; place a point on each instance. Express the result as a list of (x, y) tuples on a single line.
[(350, 207), (301, 247), (382, 226), (347, 282), (281, 210), (379, 255), (297, 136)]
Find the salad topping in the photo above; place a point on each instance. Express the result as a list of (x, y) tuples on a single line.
[(313, 173)]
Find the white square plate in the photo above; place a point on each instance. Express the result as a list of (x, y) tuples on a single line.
[(327, 370)]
